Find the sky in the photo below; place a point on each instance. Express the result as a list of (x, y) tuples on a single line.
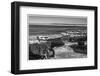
[(47, 19)]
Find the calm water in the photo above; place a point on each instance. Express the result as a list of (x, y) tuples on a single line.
[(43, 29)]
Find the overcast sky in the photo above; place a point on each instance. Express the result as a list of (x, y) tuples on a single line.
[(44, 19)]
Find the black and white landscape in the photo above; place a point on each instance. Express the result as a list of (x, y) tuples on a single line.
[(57, 37)]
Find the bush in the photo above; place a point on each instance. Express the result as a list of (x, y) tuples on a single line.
[(56, 42), (79, 48)]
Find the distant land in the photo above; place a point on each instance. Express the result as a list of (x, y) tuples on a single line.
[(58, 24)]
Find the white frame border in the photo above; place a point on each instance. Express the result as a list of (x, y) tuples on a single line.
[(43, 64)]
